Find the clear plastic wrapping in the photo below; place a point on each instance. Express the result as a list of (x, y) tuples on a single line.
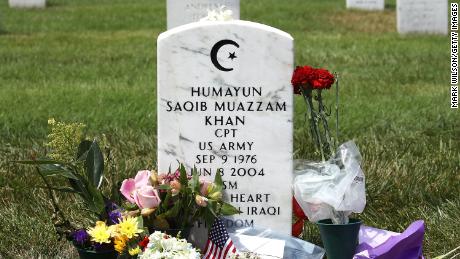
[(338, 185), (293, 247)]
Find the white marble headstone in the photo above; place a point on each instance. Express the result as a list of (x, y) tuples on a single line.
[(27, 3), (366, 4), (225, 101), (180, 12), (422, 16)]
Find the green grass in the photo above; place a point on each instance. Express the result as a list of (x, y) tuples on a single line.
[(95, 62)]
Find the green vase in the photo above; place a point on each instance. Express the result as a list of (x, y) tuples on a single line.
[(90, 254), (339, 240)]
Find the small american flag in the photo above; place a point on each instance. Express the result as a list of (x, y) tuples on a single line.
[(219, 243)]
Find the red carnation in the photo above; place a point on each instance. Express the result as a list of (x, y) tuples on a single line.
[(302, 77), (323, 79), (143, 244)]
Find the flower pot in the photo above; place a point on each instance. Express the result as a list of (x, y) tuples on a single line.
[(90, 254), (341, 240)]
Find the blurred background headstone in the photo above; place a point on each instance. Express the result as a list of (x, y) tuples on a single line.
[(366, 4), (180, 12), (27, 3), (422, 16)]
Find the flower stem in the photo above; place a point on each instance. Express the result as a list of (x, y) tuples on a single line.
[(337, 108), (62, 225), (323, 117), (313, 117)]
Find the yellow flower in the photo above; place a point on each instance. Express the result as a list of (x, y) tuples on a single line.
[(134, 251), (100, 233), (120, 243), (129, 227), (51, 121)]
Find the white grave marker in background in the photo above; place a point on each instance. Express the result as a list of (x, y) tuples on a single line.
[(27, 3), (225, 101), (180, 12), (366, 4), (422, 16)]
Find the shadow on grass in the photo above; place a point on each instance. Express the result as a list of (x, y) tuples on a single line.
[(53, 4), (390, 7), (3, 31)]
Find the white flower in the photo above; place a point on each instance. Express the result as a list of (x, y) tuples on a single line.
[(162, 246), (222, 14)]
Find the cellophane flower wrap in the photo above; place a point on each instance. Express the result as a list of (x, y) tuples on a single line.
[(322, 189)]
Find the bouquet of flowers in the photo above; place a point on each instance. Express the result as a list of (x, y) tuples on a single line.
[(81, 163), (161, 245), (173, 201)]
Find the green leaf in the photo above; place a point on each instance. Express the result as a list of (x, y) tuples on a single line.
[(164, 187), (174, 211), (94, 165), (83, 149), (165, 202), (195, 183), (37, 162), (183, 175), (212, 206), (79, 187), (218, 181), (59, 189), (51, 169), (228, 209), (140, 222), (95, 201), (209, 217), (57, 170)]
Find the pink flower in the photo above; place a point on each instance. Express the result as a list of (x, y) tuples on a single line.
[(140, 191), (147, 197), (204, 187), (201, 201), (143, 177), (175, 185)]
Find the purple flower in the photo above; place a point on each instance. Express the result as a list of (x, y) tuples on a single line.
[(114, 217), (80, 237), (113, 213)]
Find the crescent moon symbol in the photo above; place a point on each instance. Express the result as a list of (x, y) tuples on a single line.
[(215, 50)]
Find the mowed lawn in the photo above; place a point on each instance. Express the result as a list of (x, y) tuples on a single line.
[(95, 62)]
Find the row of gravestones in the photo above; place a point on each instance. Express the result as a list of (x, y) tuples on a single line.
[(419, 16), (413, 16)]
